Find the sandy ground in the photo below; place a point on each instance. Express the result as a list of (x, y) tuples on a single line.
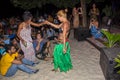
[(85, 59)]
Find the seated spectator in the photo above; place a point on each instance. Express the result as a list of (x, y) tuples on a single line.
[(95, 32), (56, 21), (50, 18), (5, 40), (50, 34), (12, 61), (41, 46), (2, 50), (1, 29), (1, 40), (16, 44), (11, 35)]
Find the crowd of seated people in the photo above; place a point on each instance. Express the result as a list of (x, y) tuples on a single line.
[(10, 46)]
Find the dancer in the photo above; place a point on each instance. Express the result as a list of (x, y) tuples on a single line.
[(61, 54), (24, 34)]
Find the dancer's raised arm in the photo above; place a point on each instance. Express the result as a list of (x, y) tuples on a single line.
[(36, 24), (53, 25)]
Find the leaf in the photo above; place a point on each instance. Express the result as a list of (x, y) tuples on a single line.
[(117, 60), (106, 44), (118, 65), (118, 56), (111, 37), (118, 72)]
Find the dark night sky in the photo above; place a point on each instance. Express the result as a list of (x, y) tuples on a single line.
[(7, 9)]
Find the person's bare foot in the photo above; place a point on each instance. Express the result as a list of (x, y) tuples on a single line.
[(55, 70), (50, 57), (46, 59)]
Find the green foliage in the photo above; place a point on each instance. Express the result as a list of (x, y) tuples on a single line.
[(29, 4), (117, 60), (65, 3), (25, 4), (112, 38), (88, 1)]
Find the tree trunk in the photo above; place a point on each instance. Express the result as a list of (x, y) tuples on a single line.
[(84, 15)]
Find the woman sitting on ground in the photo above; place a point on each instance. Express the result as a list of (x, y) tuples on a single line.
[(94, 29)]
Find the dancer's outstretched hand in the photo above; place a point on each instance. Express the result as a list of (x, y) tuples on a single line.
[(46, 22), (64, 50)]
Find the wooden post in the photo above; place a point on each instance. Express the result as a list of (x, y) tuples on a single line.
[(84, 15)]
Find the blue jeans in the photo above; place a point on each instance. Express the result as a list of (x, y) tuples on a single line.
[(14, 67)]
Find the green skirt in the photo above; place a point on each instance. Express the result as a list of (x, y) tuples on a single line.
[(62, 60)]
